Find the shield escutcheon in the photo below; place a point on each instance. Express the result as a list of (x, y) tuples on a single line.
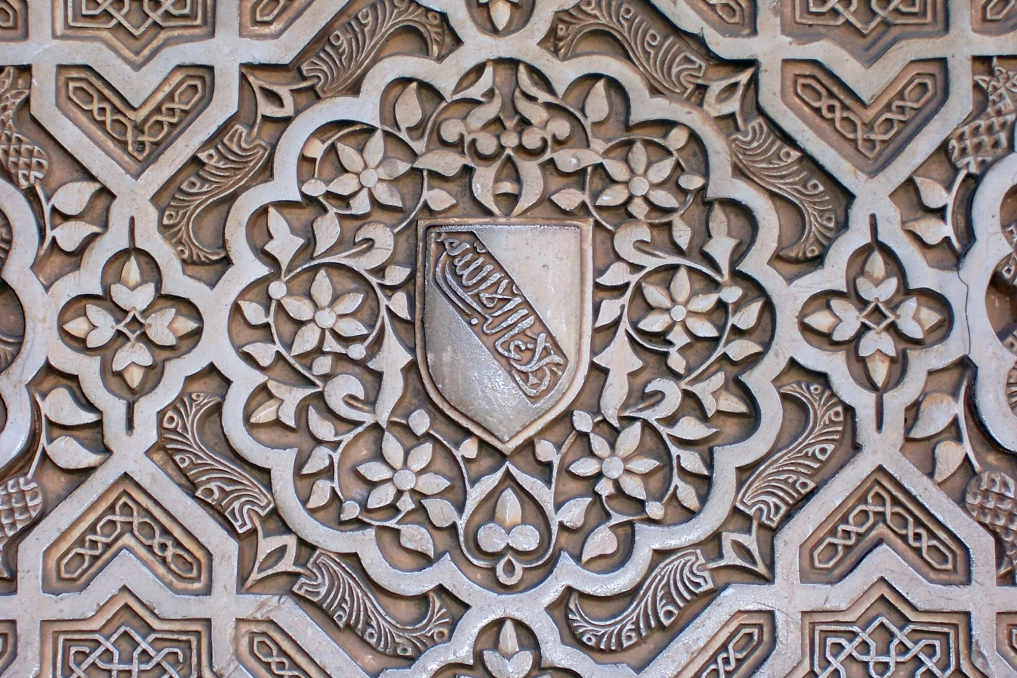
[(504, 318)]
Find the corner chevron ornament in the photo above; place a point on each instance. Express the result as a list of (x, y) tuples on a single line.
[(508, 339)]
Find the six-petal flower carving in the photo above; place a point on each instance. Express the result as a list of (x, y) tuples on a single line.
[(617, 465), (638, 182), (368, 174), (400, 474), (320, 313), (676, 312)]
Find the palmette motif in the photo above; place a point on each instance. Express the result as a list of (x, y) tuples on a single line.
[(507, 338)]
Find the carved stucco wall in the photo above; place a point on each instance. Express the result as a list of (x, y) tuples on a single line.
[(508, 338)]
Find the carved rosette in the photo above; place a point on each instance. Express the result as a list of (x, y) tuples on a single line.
[(370, 432)]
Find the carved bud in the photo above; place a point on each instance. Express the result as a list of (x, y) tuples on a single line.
[(990, 499), (20, 504)]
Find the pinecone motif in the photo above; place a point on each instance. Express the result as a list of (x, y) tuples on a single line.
[(20, 505), (991, 500), (979, 143), (25, 162)]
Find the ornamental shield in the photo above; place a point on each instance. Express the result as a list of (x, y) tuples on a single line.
[(504, 317)]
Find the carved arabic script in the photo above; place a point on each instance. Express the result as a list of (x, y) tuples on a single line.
[(494, 307)]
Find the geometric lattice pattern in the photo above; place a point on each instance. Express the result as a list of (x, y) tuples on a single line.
[(508, 338)]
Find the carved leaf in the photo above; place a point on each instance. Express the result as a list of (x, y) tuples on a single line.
[(321, 494), (468, 448), (263, 352), (677, 581), (61, 407), (407, 109), (785, 477), (619, 273), (545, 451), (321, 428), (320, 459), (932, 230), (225, 166), (227, 488), (740, 349), (934, 414), (348, 600), (254, 313), (933, 195), (782, 170), (691, 429), (596, 106), (439, 200), (568, 199), (610, 310), (601, 542), (416, 538), (441, 512), (71, 234), (747, 316), (573, 514), (326, 232), (72, 199), (283, 244), (272, 100), (949, 457), (574, 159), (70, 455), (441, 161), (354, 45)]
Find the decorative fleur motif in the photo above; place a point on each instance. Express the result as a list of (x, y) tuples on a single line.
[(500, 11), (369, 175), (508, 535), (617, 467), (400, 474), (132, 315), (882, 315), (508, 530), (508, 660), (505, 140)]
